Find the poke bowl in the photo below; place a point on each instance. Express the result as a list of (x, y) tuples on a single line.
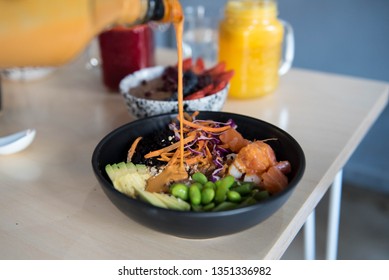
[(153, 90), (191, 223)]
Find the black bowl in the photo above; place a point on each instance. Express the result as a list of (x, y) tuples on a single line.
[(113, 149)]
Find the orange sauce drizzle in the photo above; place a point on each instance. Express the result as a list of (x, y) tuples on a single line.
[(171, 172), (179, 26)]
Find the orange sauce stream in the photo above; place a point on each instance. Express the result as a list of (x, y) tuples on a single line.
[(179, 30), (173, 172)]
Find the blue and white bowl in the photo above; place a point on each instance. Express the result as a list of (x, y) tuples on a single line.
[(141, 107)]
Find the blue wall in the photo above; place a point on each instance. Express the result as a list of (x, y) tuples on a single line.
[(344, 36), (348, 37)]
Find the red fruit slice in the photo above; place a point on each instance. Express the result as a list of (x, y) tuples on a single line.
[(199, 66), (200, 93), (218, 87), (218, 68), (187, 64), (195, 95), (224, 77)]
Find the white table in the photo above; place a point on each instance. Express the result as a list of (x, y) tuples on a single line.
[(51, 206)]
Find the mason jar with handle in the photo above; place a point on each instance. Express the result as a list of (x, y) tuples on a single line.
[(251, 41)]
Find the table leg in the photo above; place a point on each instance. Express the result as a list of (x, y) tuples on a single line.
[(309, 237), (333, 217)]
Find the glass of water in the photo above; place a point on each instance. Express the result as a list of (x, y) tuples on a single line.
[(200, 35)]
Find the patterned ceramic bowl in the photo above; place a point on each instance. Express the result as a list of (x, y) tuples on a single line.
[(141, 107)]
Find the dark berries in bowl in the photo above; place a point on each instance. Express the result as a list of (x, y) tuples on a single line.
[(153, 90)]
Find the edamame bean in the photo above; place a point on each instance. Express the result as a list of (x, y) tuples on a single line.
[(180, 190), (226, 205), (200, 186), (210, 184), (218, 183), (200, 178), (207, 195), (228, 181), (194, 194), (248, 201), (243, 189), (197, 208), (209, 206), (221, 193), (233, 196), (261, 195)]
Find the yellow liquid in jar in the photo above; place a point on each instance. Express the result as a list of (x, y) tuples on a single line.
[(250, 41)]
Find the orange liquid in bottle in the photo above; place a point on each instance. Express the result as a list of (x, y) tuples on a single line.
[(50, 33)]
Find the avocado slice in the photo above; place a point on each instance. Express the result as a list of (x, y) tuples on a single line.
[(116, 170), (151, 198), (130, 167), (124, 184), (172, 202)]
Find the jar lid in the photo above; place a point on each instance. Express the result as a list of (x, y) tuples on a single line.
[(251, 8)]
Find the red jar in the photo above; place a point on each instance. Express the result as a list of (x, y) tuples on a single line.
[(124, 51)]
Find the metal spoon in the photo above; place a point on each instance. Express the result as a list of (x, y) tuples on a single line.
[(16, 142)]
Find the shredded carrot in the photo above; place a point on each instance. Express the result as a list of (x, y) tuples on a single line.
[(193, 160), (209, 154), (206, 128), (200, 152), (169, 148), (131, 151), (195, 114), (165, 156), (201, 144), (174, 158), (190, 117), (187, 116)]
